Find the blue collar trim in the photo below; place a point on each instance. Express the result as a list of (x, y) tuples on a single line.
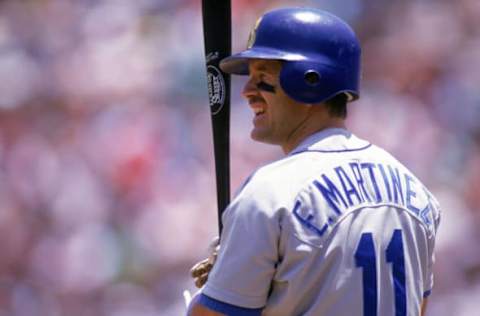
[(332, 151)]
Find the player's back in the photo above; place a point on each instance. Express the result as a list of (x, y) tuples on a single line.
[(358, 240)]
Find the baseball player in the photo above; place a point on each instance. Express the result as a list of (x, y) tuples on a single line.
[(336, 227)]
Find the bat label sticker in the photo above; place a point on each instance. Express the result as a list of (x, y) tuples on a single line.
[(216, 89)]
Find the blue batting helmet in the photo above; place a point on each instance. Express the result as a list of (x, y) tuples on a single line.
[(321, 53)]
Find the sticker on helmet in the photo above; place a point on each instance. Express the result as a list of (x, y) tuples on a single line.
[(253, 34)]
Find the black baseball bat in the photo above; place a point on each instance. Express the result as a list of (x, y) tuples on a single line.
[(217, 37)]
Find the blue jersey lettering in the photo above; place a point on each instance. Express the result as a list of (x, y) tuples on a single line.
[(331, 194), (350, 188), (358, 177), (370, 166), (385, 181), (409, 181), (396, 185)]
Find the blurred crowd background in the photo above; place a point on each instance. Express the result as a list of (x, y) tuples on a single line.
[(107, 194)]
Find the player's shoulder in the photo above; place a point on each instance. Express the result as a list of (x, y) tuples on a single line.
[(265, 192), (282, 173), (278, 181), (291, 174)]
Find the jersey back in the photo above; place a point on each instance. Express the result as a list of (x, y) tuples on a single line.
[(336, 231)]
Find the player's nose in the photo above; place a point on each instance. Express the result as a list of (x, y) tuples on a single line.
[(249, 89)]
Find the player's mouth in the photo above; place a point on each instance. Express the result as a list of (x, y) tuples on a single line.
[(259, 108), (257, 104), (258, 111), (259, 115)]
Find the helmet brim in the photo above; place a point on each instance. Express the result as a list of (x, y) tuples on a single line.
[(238, 63)]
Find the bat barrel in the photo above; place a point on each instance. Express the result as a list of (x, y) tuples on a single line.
[(217, 37)]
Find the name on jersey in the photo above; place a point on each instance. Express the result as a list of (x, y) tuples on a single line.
[(367, 184)]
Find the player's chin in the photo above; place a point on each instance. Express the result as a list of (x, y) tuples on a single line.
[(257, 134), (261, 135)]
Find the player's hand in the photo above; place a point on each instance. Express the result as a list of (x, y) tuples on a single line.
[(201, 270)]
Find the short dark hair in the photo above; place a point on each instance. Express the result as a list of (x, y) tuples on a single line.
[(337, 106)]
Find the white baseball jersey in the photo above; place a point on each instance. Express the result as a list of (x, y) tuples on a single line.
[(338, 227)]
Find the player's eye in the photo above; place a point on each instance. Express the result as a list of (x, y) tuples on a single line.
[(263, 86)]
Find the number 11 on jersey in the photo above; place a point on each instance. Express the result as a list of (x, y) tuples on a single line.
[(365, 258)]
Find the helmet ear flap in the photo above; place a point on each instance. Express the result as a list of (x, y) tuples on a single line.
[(307, 82)]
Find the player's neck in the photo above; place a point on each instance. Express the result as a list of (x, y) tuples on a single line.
[(310, 127)]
